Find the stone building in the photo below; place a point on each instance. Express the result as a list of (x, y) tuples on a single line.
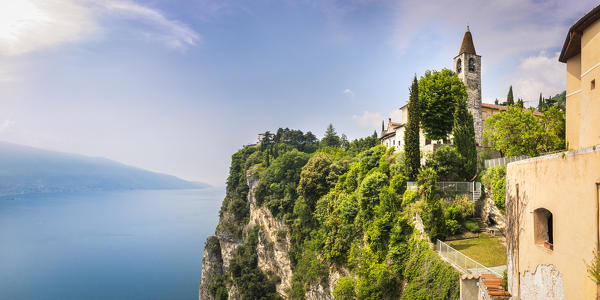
[(467, 66), (553, 204)]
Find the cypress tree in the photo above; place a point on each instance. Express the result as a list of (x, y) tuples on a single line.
[(411, 136), (540, 103), (520, 103), (510, 100), (464, 138)]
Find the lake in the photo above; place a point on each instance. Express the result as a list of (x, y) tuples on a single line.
[(139, 244)]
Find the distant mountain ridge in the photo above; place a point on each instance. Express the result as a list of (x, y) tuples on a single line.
[(25, 169)]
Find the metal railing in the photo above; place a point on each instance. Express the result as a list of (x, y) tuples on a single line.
[(503, 161), (472, 188), (462, 262)]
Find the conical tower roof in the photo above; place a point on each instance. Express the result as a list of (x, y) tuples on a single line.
[(467, 44)]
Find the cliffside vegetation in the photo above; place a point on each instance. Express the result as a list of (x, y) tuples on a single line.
[(346, 207)]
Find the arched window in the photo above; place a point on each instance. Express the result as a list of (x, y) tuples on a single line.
[(458, 65), (471, 65), (543, 228)]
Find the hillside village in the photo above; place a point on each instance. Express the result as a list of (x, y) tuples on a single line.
[(458, 200)]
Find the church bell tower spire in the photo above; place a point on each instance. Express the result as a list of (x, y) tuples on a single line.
[(467, 65)]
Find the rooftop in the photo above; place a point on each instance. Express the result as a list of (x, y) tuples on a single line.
[(467, 44), (572, 45)]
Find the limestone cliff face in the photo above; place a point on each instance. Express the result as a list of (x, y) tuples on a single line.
[(212, 266), (273, 244), (272, 251), (324, 290), (490, 214)]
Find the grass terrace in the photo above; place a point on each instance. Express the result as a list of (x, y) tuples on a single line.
[(488, 251)]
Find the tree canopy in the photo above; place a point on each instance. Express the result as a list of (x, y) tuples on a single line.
[(438, 93), (517, 132), (331, 139)]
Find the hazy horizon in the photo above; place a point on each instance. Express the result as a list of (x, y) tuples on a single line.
[(176, 87)]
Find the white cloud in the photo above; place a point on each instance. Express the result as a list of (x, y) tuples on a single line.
[(7, 124), (32, 25), (537, 74), (372, 120), (368, 119), (173, 33), (348, 92)]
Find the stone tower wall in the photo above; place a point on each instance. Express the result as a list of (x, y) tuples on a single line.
[(473, 82)]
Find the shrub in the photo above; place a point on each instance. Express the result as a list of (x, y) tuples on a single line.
[(447, 163), (452, 227), (344, 290), (472, 226), (409, 197), (495, 179), (398, 184), (428, 276)]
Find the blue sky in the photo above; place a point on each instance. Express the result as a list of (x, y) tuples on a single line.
[(178, 86)]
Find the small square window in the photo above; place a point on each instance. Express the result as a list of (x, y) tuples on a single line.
[(593, 84)]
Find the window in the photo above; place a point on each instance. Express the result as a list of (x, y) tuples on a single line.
[(471, 65), (543, 228), (458, 65), (593, 84), (427, 142)]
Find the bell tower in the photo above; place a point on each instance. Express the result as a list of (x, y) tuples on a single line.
[(467, 65)]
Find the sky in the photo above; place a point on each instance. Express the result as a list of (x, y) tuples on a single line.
[(177, 86)]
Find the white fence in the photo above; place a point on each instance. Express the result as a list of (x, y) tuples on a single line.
[(462, 262), (473, 188), (503, 161)]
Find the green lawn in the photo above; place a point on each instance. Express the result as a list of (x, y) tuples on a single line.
[(486, 250)]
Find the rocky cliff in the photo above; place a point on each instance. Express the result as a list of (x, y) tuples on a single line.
[(297, 223), (272, 251)]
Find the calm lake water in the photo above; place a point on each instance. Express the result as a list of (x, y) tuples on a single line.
[(145, 244)]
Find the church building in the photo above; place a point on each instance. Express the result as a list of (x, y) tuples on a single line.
[(467, 66)]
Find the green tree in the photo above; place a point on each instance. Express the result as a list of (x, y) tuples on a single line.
[(540, 106), (344, 143), (438, 93), (510, 99), (554, 123), (516, 132), (277, 185), (411, 135), (331, 139), (433, 214), (447, 163), (463, 133), (313, 179)]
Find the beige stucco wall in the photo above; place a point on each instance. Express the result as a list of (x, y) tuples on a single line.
[(583, 102), (566, 186)]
